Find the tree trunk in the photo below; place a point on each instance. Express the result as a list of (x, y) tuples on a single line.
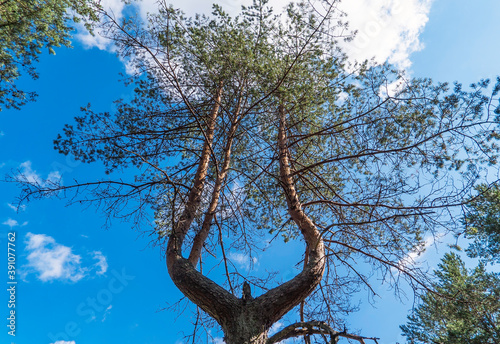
[(245, 328)]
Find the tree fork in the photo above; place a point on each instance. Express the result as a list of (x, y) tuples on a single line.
[(247, 320)]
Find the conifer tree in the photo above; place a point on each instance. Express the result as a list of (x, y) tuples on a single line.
[(241, 127)]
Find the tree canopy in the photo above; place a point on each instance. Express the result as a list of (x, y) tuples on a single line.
[(244, 127), (28, 26), (465, 307)]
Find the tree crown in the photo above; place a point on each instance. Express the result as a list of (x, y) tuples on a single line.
[(245, 126)]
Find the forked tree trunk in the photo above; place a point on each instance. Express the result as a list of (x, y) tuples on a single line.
[(244, 320)]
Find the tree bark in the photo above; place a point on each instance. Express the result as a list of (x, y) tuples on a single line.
[(201, 236)]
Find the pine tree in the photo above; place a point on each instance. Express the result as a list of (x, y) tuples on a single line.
[(464, 308), (26, 28), (246, 126)]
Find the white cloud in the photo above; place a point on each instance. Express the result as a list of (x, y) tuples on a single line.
[(54, 177), (218, 340), (413, 257), (21, 207), (106, 312), (243, 260), (391, 89), (52, 261), (190, 7), (29, 175), (13, 223), (275, 328), (102, 264), (278, 326), (239, 258), (64, 342), (387, 29), (98, 40)]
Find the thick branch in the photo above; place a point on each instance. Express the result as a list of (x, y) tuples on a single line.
[(202, 235), (315, 327), (278, 301), (308, 229), (208, 295), (182, 226)]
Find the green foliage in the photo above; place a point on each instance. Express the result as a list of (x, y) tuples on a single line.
[(482, 223), (28, 26), (465, 307)]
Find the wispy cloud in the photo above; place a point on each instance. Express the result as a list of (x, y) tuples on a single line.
[(28, 175), (415, 256), (64, 342), (218, 340), (242, 260), (52, 261), (102, 263), (275, 328), (22, 207), (13, 223), (106, 312)]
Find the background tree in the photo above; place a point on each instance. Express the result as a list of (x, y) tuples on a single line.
[(465, 305), (246, 126), (464, 309), (482, 223), (28, 26)]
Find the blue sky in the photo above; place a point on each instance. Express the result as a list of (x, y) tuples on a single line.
[(81, 283)]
